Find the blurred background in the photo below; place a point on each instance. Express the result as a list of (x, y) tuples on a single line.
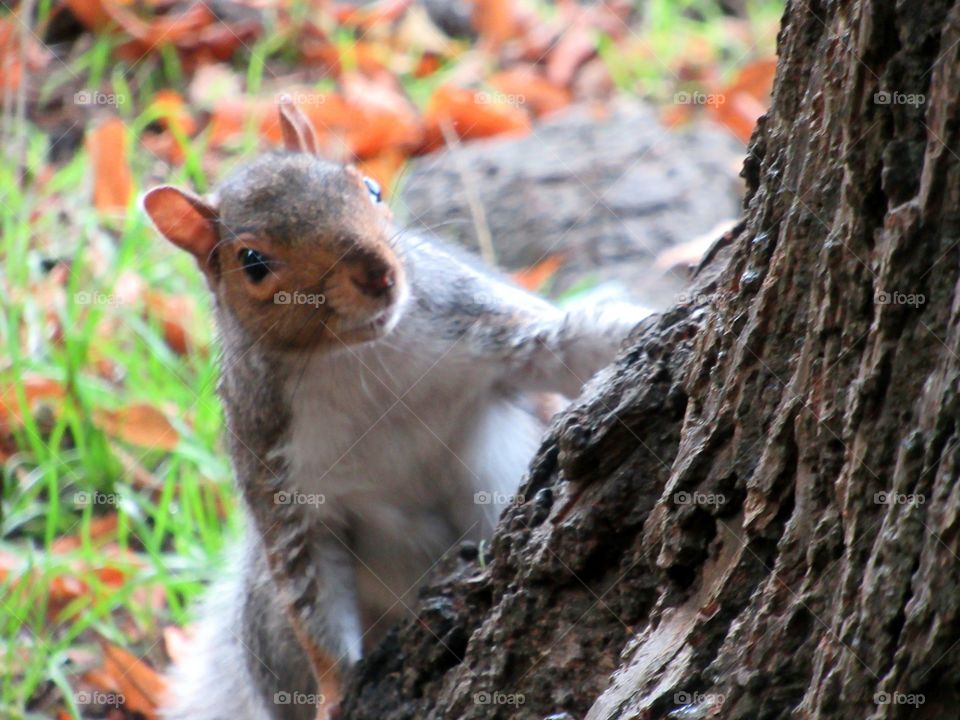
[(589, 149)]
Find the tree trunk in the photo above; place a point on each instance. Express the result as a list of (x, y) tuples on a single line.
[(754, 513)]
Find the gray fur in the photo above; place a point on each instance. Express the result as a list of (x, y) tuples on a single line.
[(397, 436)]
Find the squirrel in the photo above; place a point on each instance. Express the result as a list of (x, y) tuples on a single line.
[(380, 395)]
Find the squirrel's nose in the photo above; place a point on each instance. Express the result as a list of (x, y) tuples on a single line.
[(375, 282)]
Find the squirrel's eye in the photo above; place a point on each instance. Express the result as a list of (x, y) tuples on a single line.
[(254, 264), (374, 187)]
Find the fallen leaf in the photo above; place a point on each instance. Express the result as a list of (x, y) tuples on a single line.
[(178, 315), (139, 424), (103, 529), (534, 278), (34, 388), (142, 687), (532, 89), (471, 115), (112, 180), (494, 21), (742, 102), (572, 50)]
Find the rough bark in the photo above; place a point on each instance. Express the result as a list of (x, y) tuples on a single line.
[(754, 513)]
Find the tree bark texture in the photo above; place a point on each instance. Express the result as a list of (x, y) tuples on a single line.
[(755, 512)]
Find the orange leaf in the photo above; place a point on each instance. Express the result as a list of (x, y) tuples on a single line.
[(34, 388), (470, 115), (140, 424), (178, 315), (494, 21), (142, 687), (386, 119), (740, 104), (112, 180), (534, 278), (103, 529), (529, 88), (172, 111), (574, 48)]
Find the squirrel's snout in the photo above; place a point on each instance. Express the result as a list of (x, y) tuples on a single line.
[(376, 282)]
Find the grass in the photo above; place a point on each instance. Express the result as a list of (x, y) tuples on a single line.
[(64, 475)]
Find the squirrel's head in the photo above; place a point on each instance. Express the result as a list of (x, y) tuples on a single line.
[(297, 249)]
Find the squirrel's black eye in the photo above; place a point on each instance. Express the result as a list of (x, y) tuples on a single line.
[(374, 187), (254, 264)]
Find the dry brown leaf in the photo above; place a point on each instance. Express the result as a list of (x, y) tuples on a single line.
[(178, 314), (495, 21), (470, 115), (140, 424), (741, 103), (112, 180), (142, 687), (574, 48), (535, 277), (103, 529), (34, 388), (532, 90)]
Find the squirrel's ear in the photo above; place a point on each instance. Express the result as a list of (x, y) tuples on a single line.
[(184, 219), (298, 134)]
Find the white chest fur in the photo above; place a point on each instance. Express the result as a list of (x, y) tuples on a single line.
[(405, 450)]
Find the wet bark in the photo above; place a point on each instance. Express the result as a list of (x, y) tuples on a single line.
[(754, 513)]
